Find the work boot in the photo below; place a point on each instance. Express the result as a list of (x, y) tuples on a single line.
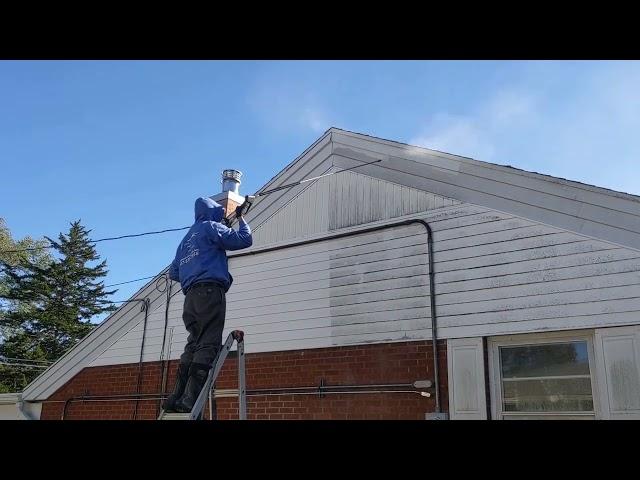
[(198, 373), (169, 404)]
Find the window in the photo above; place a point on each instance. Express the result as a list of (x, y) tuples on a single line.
[(543, 376)]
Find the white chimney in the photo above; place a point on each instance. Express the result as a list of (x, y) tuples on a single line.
[(230, 196)]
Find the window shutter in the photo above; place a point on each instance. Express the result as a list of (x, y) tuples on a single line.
[(617, 353), (465, 361)]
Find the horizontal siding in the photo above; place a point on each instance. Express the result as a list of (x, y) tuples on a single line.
[(344, 200), (315, 161), (128, 346), (560, 187), (327, 293), (588, 210), (587, 195), (495, 274)]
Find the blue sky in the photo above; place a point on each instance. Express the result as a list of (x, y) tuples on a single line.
[(127, 146)]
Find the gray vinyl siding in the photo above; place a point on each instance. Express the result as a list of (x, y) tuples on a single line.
[(495, 274)]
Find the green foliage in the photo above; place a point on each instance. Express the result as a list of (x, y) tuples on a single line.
[(46, 303)]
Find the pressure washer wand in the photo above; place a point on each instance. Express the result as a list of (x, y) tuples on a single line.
[(249, 199), (295, 184)]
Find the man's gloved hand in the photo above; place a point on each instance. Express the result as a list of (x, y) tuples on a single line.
[(239, 211)]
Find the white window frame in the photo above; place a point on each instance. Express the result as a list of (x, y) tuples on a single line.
[(495, 380)]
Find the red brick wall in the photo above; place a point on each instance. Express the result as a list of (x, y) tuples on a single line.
[(356, 365)]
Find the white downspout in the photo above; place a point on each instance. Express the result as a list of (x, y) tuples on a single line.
[(27, 415)]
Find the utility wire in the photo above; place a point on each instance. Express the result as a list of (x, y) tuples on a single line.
[(100, 239), (140, 234), (258, 194), (130, 281), (24, 360), (23, 365)]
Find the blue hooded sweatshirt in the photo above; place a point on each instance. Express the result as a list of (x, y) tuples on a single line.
[(201, 254)]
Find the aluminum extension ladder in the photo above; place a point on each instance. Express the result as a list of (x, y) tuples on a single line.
[(197, 412)]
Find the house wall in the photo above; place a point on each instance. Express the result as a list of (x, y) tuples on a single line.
[(495, 274), (396, 363)]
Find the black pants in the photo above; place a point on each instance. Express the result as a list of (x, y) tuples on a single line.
[(203, 315)]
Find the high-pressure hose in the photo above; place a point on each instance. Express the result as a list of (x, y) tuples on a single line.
[(432, 291), (146, 305), (163, 361)]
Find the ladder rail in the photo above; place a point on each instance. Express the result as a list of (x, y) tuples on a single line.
[(198, 407), (197, 412), (242, 390)]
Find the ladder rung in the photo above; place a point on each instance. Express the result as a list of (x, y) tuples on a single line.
[(175, 416)]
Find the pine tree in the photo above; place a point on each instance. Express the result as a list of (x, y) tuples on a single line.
[(51, 304), (16, 257)]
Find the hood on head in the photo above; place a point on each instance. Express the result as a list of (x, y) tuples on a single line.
[(207, 209)]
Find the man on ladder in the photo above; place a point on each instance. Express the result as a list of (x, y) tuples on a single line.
[(200, 265)]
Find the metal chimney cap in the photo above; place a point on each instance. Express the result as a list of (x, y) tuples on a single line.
[(231, 180), (231, 174)]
